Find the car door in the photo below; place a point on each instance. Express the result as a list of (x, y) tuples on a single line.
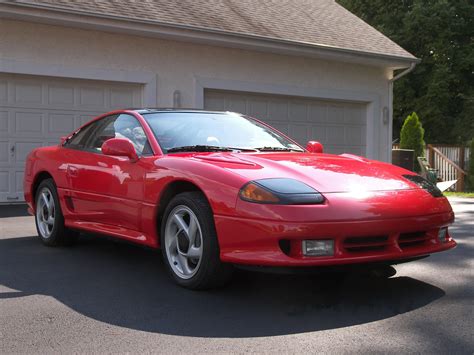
[(103, 189)]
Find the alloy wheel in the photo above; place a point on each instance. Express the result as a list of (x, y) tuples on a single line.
[(45, 211), (183, 242)]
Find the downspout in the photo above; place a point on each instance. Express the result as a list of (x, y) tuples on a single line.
[(390, 103)]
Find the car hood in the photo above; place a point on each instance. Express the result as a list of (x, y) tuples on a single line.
[(324, 172)]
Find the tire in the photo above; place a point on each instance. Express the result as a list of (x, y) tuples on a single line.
[(383, 272), (189, 243), (50, 220)]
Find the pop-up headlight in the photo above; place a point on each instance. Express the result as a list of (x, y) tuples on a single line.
[(280, 191), (424, 184)]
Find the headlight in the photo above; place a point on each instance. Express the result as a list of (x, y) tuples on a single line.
[(424, 184), (280, 191)]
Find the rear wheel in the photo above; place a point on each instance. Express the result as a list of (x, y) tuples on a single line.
[(189, 243), (49, 218)]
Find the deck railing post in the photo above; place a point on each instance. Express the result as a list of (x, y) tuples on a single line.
[(462, 156), (431, 159)]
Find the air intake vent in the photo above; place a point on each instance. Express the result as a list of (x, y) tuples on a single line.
[(415, 239), (364, 244)]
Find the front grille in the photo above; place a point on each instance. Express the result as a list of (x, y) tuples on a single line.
[(364, 244), (415, 239)]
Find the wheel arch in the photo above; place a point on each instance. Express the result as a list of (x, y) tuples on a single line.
[(169, 191), (40, 176)]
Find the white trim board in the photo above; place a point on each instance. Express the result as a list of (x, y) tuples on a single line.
[(372, 100)]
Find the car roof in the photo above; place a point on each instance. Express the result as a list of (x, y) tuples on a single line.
[(177, 110)]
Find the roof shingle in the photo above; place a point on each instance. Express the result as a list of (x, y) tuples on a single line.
[(317, 22)]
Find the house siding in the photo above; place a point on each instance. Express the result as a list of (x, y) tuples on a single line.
[(179, 65)]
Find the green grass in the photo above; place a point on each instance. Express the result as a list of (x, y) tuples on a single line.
[(459, 194)]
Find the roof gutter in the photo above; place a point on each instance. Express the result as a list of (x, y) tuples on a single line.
[(403, 73), (58, 15), (390, 103)]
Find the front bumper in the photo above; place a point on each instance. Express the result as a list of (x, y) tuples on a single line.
[(272, 243)]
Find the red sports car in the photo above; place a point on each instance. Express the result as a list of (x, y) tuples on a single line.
[(219, 189)]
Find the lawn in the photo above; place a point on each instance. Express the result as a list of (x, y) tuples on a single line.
[(459, 194)]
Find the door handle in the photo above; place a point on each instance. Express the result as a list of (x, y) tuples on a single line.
[(72, 171), (12, 149)]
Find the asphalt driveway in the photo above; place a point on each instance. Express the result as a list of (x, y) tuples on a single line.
[(103, 296)]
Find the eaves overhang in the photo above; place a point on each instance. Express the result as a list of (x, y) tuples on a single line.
[(54, 15)]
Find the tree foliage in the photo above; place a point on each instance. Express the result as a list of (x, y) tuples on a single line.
[(441, 89), (470, 171), (411, 135)]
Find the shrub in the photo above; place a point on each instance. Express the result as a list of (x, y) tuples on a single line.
[(470, 170), (411, 136)]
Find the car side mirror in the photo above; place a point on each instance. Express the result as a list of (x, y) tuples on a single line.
[(63, 140), (120, 147), (314, 147)]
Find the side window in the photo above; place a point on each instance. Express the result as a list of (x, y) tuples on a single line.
[(121, 126), (79, 139)]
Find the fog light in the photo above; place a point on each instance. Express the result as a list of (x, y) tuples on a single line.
[(318, 247), (442, 234)]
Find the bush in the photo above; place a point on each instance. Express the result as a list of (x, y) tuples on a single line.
[(470, 170), (411, 136)]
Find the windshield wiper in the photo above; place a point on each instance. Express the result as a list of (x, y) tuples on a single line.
[(208, 148), (278, 149)]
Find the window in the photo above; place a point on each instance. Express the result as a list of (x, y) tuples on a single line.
[(181, 129), (121, 126), (80, 137)]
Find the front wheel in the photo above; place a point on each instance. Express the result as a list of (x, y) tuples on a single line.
[(189, 243), (49, 218)]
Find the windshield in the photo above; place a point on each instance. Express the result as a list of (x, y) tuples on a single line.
[(204, 131)]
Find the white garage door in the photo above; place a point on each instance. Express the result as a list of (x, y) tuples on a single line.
[(340, 126), (36, 111)]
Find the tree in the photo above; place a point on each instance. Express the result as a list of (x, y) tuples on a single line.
[(441, 89), (411, 137), (470, 171)]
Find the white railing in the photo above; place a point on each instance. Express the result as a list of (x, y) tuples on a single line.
[(451, 161)]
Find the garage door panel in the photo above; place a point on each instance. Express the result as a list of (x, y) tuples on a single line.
[(215, 102), (335, 134), (61, 123), (354, 115), (28, 92), (318, 113), (278, 111), (4, 181), (28, 123), (4, 153), (61, 95), (236, 104), (258, 108), (22, 149), (4, 123), (83, 119), (282, 127), (92, 97), (354, 135), (3, 91), (318, 134), (298, 111), (18, 182), (336, 113), (300, 132), (123, 98)]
